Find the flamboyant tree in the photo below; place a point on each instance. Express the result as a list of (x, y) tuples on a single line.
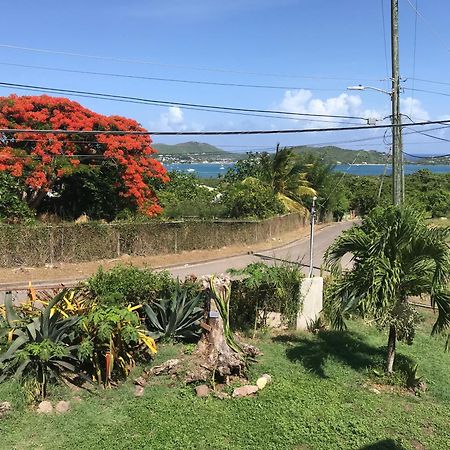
[(43, 159)]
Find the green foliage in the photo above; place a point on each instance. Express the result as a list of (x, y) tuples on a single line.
[(89, 190), (111, 340), (260, 289), (123, 285), (177, 317), (251, 199), (12, 208), (395, 255), (185, 196), (41, 348)]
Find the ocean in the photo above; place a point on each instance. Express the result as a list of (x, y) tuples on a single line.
[(212, 170)]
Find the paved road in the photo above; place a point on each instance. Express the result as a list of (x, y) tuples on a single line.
[(297, 251)]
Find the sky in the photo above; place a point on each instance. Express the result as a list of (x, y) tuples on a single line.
[(307, 51)]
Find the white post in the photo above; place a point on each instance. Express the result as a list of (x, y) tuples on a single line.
[(311, 236)]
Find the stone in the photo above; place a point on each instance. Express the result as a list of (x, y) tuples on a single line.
[(140, 381), (138, 391), (62, 407), (202, 391), (5, 408), (263, 381), (245, 391), (168, 367), (45, 407)]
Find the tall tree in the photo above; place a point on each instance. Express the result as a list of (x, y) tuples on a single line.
[(395, 255), (43, 159)]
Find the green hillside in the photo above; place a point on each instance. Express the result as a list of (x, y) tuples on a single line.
[(336, 155), (190, 148)]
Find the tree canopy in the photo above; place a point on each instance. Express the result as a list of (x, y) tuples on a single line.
[(41, 160)]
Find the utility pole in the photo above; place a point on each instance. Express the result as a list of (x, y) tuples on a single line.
[(311, 237), (397, 147)]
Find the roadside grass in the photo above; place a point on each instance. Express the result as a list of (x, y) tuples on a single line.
[(442, 222), (320, 398)]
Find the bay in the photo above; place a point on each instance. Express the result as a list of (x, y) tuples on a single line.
[(212, 170)]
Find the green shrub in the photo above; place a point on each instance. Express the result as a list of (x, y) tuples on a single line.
[(125, 285), (111, 340), (251, 198), (261, 289), (12, 208)]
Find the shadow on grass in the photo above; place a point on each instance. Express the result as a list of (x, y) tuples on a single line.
[(347, 347), (387, 444)]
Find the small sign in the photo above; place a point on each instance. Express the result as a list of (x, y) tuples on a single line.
[(214, 314)]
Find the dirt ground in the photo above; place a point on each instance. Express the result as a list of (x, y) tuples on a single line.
[(62, 271)]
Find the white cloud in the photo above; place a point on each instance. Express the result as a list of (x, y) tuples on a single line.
[(172, 120), (414, 109), (302, 101)]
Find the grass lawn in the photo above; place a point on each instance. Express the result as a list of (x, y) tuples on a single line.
[(320, 398)]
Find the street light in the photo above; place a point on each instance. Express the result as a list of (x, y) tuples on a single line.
[(311, 236), (365, 88)]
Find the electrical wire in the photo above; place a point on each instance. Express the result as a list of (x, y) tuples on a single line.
[(166, 103), (430, 26), (414, 59), (219, 133), (171, 80)]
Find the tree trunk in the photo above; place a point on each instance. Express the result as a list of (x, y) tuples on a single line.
[(215, 358), (391, 349)]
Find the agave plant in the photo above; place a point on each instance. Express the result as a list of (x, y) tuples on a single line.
[(175, 318), (40, 348)]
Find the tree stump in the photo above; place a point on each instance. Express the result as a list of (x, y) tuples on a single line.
[(213, 357)]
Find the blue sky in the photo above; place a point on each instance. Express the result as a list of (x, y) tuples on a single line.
[(315, 48)]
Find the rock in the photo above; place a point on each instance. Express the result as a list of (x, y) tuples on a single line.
[(62, 407), (202, 391), (45, 407), (245, 391), (5, 408), (138, 391), (263, 381), (140, 381), (166, 367)]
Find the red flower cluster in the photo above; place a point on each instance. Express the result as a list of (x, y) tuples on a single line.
[(43, 158)]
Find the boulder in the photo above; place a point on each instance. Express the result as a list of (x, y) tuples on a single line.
[(5, 408), (138, 391), (263, 381)]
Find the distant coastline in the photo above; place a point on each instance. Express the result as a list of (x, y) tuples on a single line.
[(214, 169)]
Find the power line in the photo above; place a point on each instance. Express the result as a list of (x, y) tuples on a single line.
[(445, 94), (430, 26), (428, 157), (424, 133), (414, 58), (219, 133), (171, 80), (174, 66), (169, 103)]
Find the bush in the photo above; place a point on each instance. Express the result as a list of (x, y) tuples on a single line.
[(251, 199), (12, 208), (125, 285), (261, 289)]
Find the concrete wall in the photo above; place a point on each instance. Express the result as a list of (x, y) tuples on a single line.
[(312, 294)]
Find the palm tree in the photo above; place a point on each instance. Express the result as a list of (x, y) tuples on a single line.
[(395, 255), (286, 175)]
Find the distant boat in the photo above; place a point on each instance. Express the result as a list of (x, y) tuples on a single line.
[(222, 167), (190, 170)]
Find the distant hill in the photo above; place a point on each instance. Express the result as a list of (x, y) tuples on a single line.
[(192, 148), (336, 155)]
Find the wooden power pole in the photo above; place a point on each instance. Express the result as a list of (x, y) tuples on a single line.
[(397, 150)]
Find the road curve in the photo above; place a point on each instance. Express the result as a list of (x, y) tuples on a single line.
[(297, 251)]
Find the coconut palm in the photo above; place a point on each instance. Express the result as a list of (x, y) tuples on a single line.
[(395, 255), (286, 175)]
